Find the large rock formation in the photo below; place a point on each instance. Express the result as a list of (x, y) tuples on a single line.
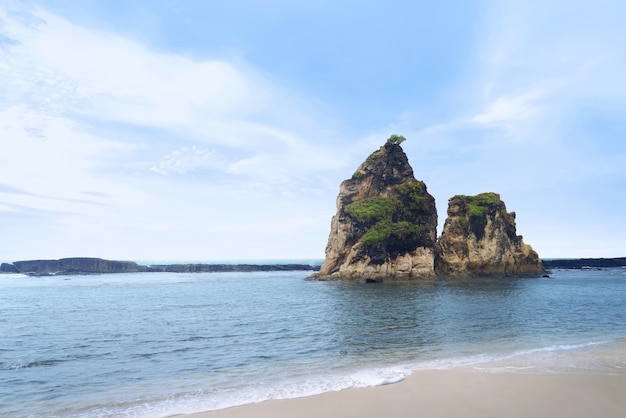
[(479, 238), (385, 228), (386, 222)]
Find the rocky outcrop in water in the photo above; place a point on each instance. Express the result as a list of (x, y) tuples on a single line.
[(74, 265), (584, 263), (386, 221), (385, 228), (479, 238)]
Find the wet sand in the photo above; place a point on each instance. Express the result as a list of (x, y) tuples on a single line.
[(455, 393)]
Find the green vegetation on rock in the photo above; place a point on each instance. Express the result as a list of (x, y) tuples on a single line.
[(357, 175), (392, 233), (413, 196), (476, 210), (474, 219), (392, 223), (372, 210), (395, 140), (477, 205)]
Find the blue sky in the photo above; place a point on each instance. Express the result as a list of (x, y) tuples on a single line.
[(210, 130)]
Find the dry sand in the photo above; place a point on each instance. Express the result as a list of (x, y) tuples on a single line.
[(454, 393)]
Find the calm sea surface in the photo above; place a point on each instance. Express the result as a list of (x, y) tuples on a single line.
[(156, 344)]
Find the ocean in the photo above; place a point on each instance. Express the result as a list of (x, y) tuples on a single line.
[(159, 344)]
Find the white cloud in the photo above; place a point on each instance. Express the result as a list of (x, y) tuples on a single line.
[(107, 138), (144, 86), (505, 109), (543, 69), (58, 65), (41, 151), (187, 159)]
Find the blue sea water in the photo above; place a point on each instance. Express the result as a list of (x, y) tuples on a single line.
[(158, 344)]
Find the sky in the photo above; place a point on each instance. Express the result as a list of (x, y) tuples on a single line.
[(221, 130)]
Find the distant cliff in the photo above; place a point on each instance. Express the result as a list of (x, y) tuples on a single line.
[(225, 268), (75, 265), (584, 263), (385, 228), (479, 238), (86, 265)]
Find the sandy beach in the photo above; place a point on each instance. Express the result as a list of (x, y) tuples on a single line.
[(454, 393)]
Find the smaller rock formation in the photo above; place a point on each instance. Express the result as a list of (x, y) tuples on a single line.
[(479, 238), (8, 268), (386, 221)]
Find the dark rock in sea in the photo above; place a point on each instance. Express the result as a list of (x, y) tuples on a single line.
[(8, 268), (75, 265)]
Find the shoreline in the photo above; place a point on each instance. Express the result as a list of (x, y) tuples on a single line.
[(91, 265), (455, 393)]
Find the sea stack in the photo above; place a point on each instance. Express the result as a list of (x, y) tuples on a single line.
[(386, 222), (386, 228), (479, 238)]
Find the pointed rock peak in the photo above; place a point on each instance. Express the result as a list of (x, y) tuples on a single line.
[(388, 166), (386, 221)]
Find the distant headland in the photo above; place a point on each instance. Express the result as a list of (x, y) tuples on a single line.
[(584, 263), (89, 265)]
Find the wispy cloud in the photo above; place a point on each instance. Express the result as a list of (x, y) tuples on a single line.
[(185, 160), (90, 117), (547, 78)]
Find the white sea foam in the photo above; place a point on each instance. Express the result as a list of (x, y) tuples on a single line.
[(4, 276), (529, 360), (545, 359), (209, 400)]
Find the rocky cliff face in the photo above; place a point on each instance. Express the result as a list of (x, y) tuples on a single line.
[(479, 238), (386, 221), (74, 265)]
